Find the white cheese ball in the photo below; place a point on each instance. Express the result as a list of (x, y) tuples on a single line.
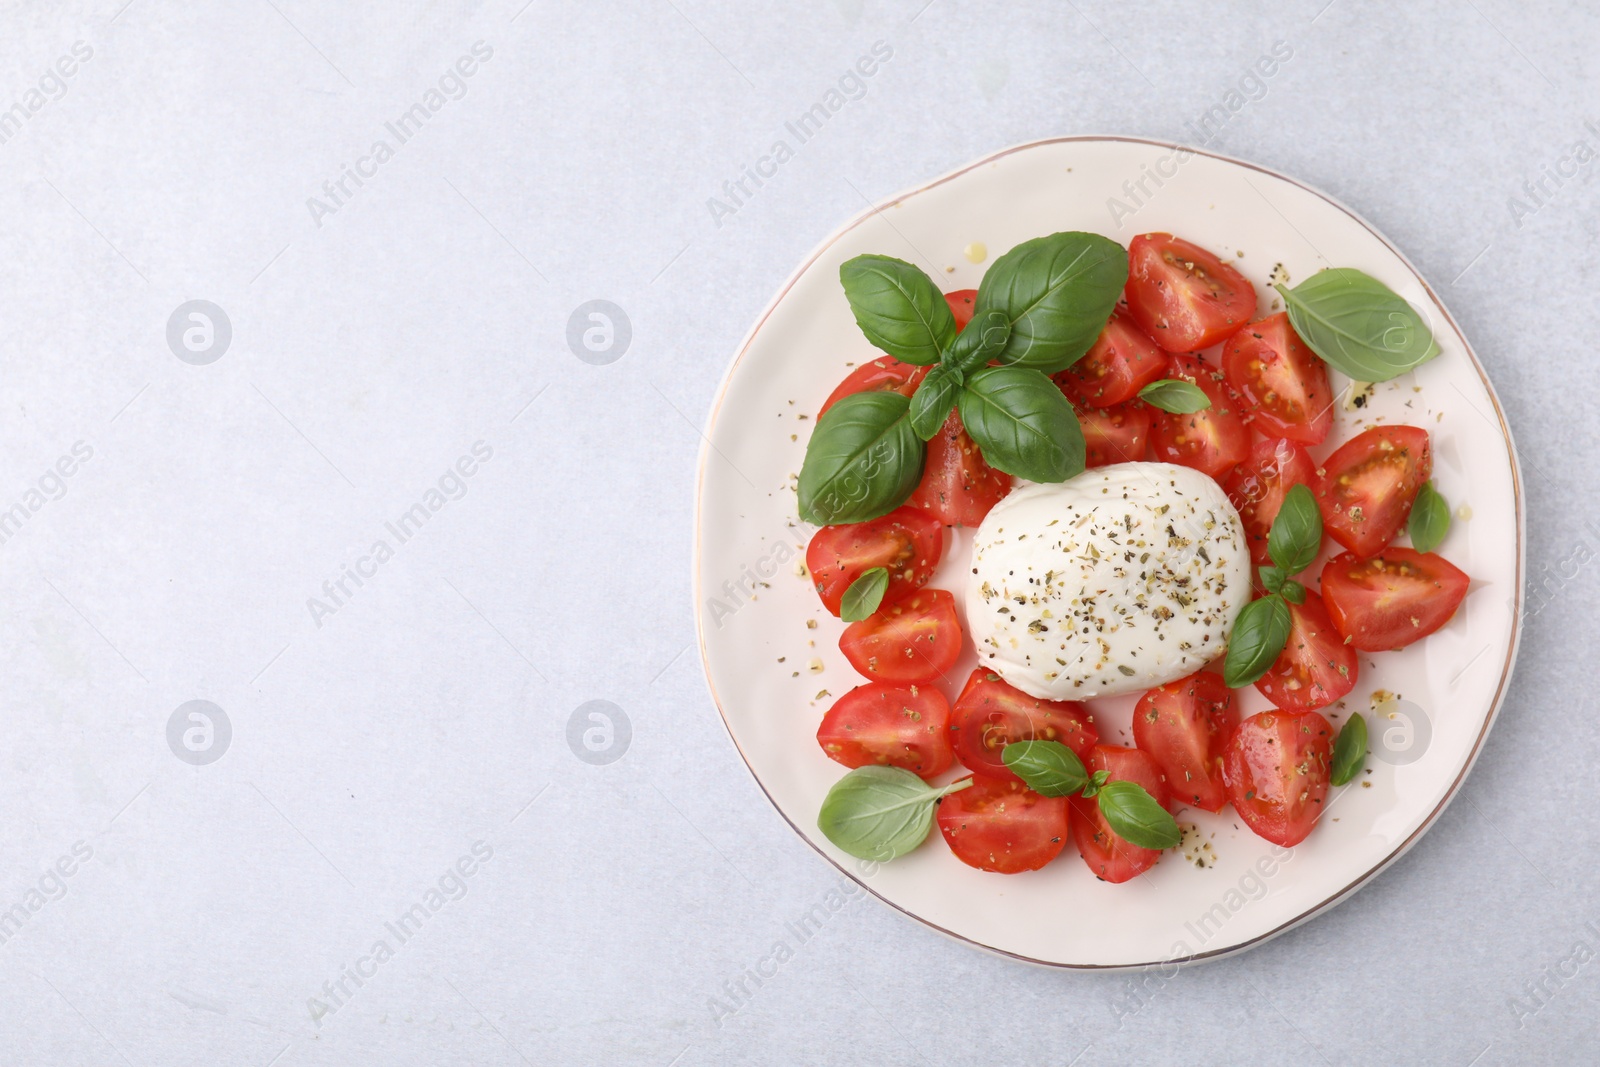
[(1123, 578)]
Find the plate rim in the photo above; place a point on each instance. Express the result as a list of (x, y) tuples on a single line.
[(1336, 898)]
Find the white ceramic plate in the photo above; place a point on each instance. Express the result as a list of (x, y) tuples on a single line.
[(753, 606)]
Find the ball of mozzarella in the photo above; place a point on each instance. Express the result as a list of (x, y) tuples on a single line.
[(1120, 579)]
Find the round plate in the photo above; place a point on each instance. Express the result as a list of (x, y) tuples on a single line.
[(771, 651)]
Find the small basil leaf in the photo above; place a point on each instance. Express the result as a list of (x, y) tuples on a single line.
[(1293, 591), (863, 460), (1430, 519), (983, 339), (880, 813), (899, 308), (1023, 424), (1049, 768), (1272, 578), (1359, 326), (1296, 534), (864, 595), (1057, 292), (1175, 395), (1134, 816), (1350, 750), (933, 401), (1257, 638)]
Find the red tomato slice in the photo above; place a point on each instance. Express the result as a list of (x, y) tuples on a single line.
[(1185, 726), (1121, 362), (1283, 383), (1118, 434), (1111, 858), (1003, 826), (961, 302), (901, 726), (1366, 488), (1392, 599), (916, 639), (1258, 485), (989, 715), (1315, 667), (958, 485), (1183, 296), (1277, 770), (883, 375), (908, 541), (1212, 441)]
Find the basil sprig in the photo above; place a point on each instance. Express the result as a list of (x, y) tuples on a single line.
[(1039, 308), (1176, 396), (1051, 769), (881, 813), (1430, 519), (1350, 750), (1263, 626), (864, 595), (1359, 326)]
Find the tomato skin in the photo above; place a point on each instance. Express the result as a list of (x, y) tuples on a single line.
[(1118, 434), (1212, 441), (1258, 485), (1315, 667), (958, 486), (1392, 599), (1121, 362), (961, 303), (1283, 384), (1182, 296), (1277, 772), (1185, 727), (1003, 826), (1111, 858), (1367, 486), (914, 639), (908, 541), (882, 375), (897, 726), (989, 714)]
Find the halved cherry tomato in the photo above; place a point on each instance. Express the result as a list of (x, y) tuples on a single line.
[(1283, 383), (1211, 441), (1392, 599), (989, 715), (1003, 826), (900, 726), (1120, 363), (1185, 726), (1118, 434), (915, 639), (961, 303), (882, 375), (1366, 488), (958, 485), (1111, 858), (1258, 485), (908, 541), (1182, 296), (1277, 771), (1315, 667)]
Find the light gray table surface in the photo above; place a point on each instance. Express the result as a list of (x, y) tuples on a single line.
[(379, 334)]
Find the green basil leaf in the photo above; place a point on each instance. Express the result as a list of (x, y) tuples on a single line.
[(1350, 750), (933, 401), (1175, 395), (1293, 591), (1430, 519), (1296, 534), (1049, 768), (1097, 782), (1057, 292), (899, 308), (1134, 816), (1272, 578), (982, 340), (864, 595), (1359, 326), (863, 460), (1257, 638), (1023, 424), (880, 813)]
